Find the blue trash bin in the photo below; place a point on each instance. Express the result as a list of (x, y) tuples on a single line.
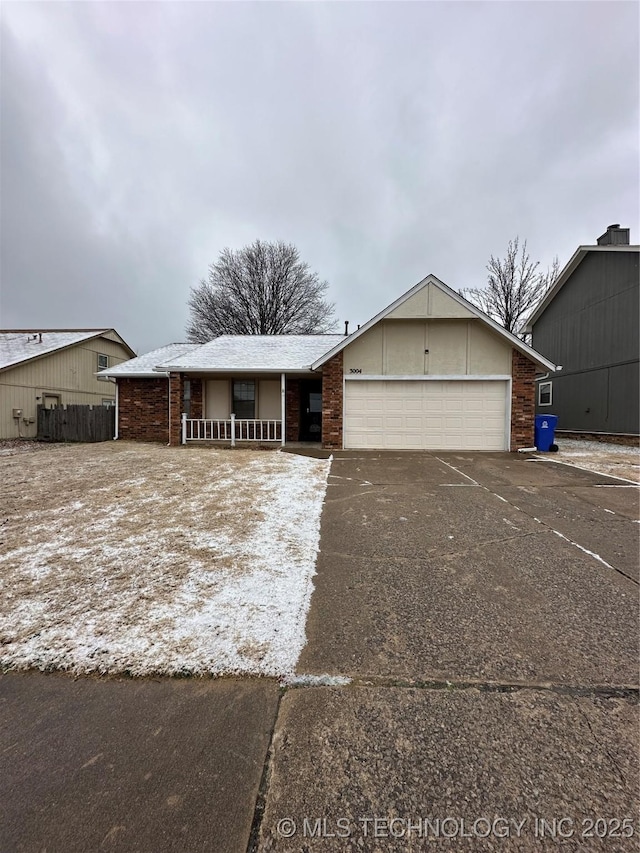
[(544, 430)]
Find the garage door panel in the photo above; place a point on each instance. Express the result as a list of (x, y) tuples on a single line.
[(427, 415)]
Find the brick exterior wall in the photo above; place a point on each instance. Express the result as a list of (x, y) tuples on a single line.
[(292, 403), (143, 409), (332, 402), (175, 408), (523, 400)]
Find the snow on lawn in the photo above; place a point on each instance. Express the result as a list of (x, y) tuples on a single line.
[(146, 559), (617, 460)]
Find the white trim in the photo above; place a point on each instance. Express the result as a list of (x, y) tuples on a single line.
[(344, 396), (453, 377), (249, 369), (169, 412), (139, 375), (115, 436), (548, 382), (515, 342), (283, 408), (508, 412)]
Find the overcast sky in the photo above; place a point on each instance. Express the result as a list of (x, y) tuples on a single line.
[(385, 140)]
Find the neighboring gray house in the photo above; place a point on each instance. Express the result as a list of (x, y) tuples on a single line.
[(588, 323)]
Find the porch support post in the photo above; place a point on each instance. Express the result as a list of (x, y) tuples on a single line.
[(184, 427), (233, 429), (283, 409)]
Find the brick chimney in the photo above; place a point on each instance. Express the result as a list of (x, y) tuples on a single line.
[(614, 236)]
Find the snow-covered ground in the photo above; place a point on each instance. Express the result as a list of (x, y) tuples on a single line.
[(145, 559), (604, 458)]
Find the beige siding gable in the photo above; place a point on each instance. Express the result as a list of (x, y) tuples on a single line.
[(70, 369), (107, 345), (365, 353), (489, 354), (404, 347), (428, 347), (448, 347), (428, 302), (111, 336)]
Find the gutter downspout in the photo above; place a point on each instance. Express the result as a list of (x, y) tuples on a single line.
[(115, 437), (168, 375)]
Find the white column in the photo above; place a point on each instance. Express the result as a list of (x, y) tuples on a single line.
[(233, 429), (283, 409), (184, 427)]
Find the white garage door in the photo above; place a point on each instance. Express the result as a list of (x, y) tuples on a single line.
[(431, 415)]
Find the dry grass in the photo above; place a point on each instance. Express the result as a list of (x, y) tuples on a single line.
[(120, 556), (614, 459)]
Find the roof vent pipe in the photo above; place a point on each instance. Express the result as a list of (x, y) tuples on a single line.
[(346, 327)]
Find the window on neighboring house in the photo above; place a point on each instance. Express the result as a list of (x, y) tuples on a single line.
[(103, 363), (544, 393), (186, 398), (244, 399)]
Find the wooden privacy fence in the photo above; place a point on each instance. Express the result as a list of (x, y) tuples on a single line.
[(76, 423)]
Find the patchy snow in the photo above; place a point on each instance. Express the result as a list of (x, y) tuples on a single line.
[(325, 680), (18, 346), (143, 365), (148, 559), (257, 352), (617, 460)]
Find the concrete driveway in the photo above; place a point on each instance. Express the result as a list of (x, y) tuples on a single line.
[(484, 608), (475, 567), (493, 658)]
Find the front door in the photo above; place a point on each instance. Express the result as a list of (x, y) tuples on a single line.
[(311, 410)]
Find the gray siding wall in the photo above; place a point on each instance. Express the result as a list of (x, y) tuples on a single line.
[(591, 329)]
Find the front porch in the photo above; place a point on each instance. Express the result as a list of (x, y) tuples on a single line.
[(231, 430), (243, 408)]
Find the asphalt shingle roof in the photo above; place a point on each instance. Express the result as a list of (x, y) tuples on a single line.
[(144, 365), (278, 353), (18, 346)]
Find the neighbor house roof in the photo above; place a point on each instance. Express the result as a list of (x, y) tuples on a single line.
[(143, 367), (515, 342), (578, 256), (19, 345), (255, 353)]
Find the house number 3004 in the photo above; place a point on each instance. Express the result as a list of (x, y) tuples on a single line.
[(355, 370)]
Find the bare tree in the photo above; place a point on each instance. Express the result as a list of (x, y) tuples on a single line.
[(261, 289), (514, 287)]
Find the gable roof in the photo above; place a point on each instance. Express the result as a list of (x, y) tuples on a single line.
[(515, 342), (144, 366), (576, 259), (255, 353), (20, 345)]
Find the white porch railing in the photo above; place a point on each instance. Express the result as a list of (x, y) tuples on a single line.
[(232, 430)]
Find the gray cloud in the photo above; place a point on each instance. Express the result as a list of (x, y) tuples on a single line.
[(386, 141)]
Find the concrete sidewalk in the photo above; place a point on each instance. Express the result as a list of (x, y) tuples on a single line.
[(492, 704)]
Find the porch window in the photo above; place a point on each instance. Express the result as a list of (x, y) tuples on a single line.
[(244, 399), (186, 398)]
